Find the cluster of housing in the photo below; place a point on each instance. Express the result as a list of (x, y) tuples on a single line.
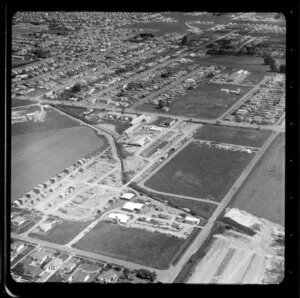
[(91, 88), (74, 45), (32, 264), (266, 106), (250, 39)]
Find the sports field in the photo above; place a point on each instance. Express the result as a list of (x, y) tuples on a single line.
[(38, 156), (134, 245), (200, 171), (263, 194), (232, 135)]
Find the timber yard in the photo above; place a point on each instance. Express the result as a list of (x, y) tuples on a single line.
[(148, 147)]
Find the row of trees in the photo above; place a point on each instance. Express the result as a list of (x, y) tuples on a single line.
[(269, 60)]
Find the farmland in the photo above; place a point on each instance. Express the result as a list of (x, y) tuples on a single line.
[(135, 245), (62, 233), (191, 171), (263, 194), (44, 154), (232, 135)]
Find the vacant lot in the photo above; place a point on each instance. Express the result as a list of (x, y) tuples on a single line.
[(53, 120), (206, 101), (19, 103), (232, 135), (263, 194), (135, 245), (238, 62), (200, 171), (36, 157), (63, 232)]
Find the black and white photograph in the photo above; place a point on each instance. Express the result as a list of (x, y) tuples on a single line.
[(147, 147)]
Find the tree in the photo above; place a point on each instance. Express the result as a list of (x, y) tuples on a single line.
[(160, 104), (146, 274), (274, 67), (269, 60), (76, 88), (282, 68)]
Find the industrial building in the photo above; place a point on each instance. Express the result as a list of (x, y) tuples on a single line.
[(122, 218), (127, 196), (130, 206)]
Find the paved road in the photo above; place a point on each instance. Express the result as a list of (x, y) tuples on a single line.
[(178, 196)]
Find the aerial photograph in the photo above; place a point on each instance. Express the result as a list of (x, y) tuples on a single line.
[(147, 147)]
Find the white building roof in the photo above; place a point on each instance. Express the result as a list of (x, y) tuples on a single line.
[(127, 196), (191, 218), (132, 206), (119, 216)]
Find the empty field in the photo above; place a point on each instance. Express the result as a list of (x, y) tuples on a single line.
[(36, 157), (239, 62), (64, 232), (200, 171), (205, 101), (134, 245), (232, 135), (19, 103), (53, 120), (263, 194)]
